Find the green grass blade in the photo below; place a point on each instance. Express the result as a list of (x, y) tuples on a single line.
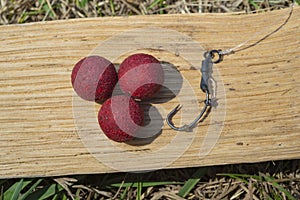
[(154, 3), (190, 184), (44, 193), (18, 189), (23, 17), (145, 184), (237, 177), (47, 8), (275, 195), (60, 196), (81, 3), (29, 191), (279, 187), (123, 195), (112, 6), (55, 197), (15, 189), (242, 177), (64, 197), (139, 190), (251, 2)]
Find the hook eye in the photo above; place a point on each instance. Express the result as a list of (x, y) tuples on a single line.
[(216, 55)]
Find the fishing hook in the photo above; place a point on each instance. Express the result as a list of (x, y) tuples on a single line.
[(206, 70)]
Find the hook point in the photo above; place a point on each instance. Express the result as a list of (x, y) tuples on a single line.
[(178, 107)]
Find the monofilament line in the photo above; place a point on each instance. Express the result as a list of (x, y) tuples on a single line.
[(241, 46)]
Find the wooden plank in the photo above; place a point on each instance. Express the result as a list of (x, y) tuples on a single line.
[(46, 130)]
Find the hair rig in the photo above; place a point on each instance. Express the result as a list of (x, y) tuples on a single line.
[(207, 85)]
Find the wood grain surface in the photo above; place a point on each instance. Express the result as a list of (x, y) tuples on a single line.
[(46, 130)]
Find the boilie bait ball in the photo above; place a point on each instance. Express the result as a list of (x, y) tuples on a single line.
[(120, 117), (94, 78), (141, 75)]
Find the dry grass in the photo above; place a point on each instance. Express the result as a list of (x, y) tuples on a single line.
[(268, 180), (23, 11)]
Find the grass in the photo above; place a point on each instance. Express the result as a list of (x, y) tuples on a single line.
[(268, 180), (191, 182), (24, 11)]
